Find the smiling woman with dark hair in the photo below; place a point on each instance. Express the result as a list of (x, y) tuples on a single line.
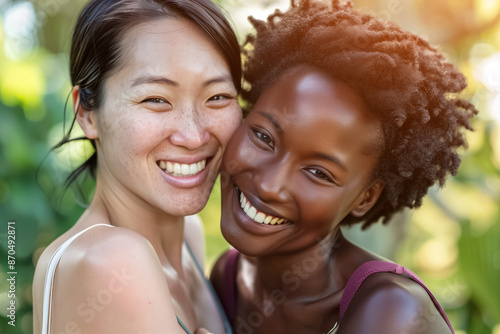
[(155, 86), (352, 119)]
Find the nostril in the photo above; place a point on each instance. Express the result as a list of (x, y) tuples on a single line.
[(272, 190), (190, 138)]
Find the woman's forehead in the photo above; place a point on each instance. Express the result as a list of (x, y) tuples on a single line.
[(320, 110), (172, 48)]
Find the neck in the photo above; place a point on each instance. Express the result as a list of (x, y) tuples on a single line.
[(306, 273), (122, 208)]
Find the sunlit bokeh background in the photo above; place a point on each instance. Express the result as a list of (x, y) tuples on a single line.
[(452, 242)]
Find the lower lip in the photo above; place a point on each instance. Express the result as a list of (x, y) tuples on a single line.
[(187, 182), (249, 224)]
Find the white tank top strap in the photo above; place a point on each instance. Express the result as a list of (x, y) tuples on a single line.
[(49, 278)]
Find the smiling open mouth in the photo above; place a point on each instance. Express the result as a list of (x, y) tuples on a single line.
[(182, 170), (256, 215)]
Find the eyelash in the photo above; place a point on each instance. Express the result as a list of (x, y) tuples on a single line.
[(223, 96), (259, 134), (324, 176), (155, 100), (215, 98)]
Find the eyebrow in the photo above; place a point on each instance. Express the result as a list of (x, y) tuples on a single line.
[(273, 121), (221, 79), (168, 82), (332, 158), (154, 80)]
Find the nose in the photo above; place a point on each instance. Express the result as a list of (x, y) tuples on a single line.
[(272, 184), (191, 130)]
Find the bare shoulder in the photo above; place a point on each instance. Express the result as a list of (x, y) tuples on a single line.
[(390, 303), (106, 249), (111, 280), (103, 244)]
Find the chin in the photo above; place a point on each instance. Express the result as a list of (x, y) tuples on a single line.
[(186, 211), (242, 242), (187, 206)]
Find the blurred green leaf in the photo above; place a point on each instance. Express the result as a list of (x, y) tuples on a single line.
[(479, 259)]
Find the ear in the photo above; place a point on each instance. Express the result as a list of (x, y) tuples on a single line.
[(368, 198), (86, 118)]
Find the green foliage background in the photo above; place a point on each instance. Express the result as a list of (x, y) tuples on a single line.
[(452, 242)]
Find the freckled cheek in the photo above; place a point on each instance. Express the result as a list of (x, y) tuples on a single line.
[(132, 137), (226, 125)]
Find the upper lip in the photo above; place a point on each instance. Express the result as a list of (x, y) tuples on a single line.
[(187, 159), (260, 206)]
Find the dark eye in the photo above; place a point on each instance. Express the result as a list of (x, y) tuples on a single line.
[(320, 175), (219, 101), (155, 100), (219, 97), (264, 138), (157, 104)]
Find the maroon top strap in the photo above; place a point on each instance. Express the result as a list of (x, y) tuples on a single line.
[(230, 295), (372, 267)]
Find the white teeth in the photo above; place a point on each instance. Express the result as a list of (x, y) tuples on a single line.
[(193, 169), (252, 212), (177, 168), (180, 170), (257, 216)]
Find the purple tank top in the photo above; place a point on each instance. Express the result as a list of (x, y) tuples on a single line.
[(230, 298)]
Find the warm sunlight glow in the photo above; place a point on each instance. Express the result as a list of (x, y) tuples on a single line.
[(486, 9)]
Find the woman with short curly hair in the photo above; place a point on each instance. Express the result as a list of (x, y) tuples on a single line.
[(352, 119)]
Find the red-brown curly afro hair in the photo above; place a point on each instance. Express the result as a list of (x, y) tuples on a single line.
[(406, 83)]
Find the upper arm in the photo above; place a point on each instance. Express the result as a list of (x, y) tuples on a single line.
[(117, 286), (389, 303), (195, 237)]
